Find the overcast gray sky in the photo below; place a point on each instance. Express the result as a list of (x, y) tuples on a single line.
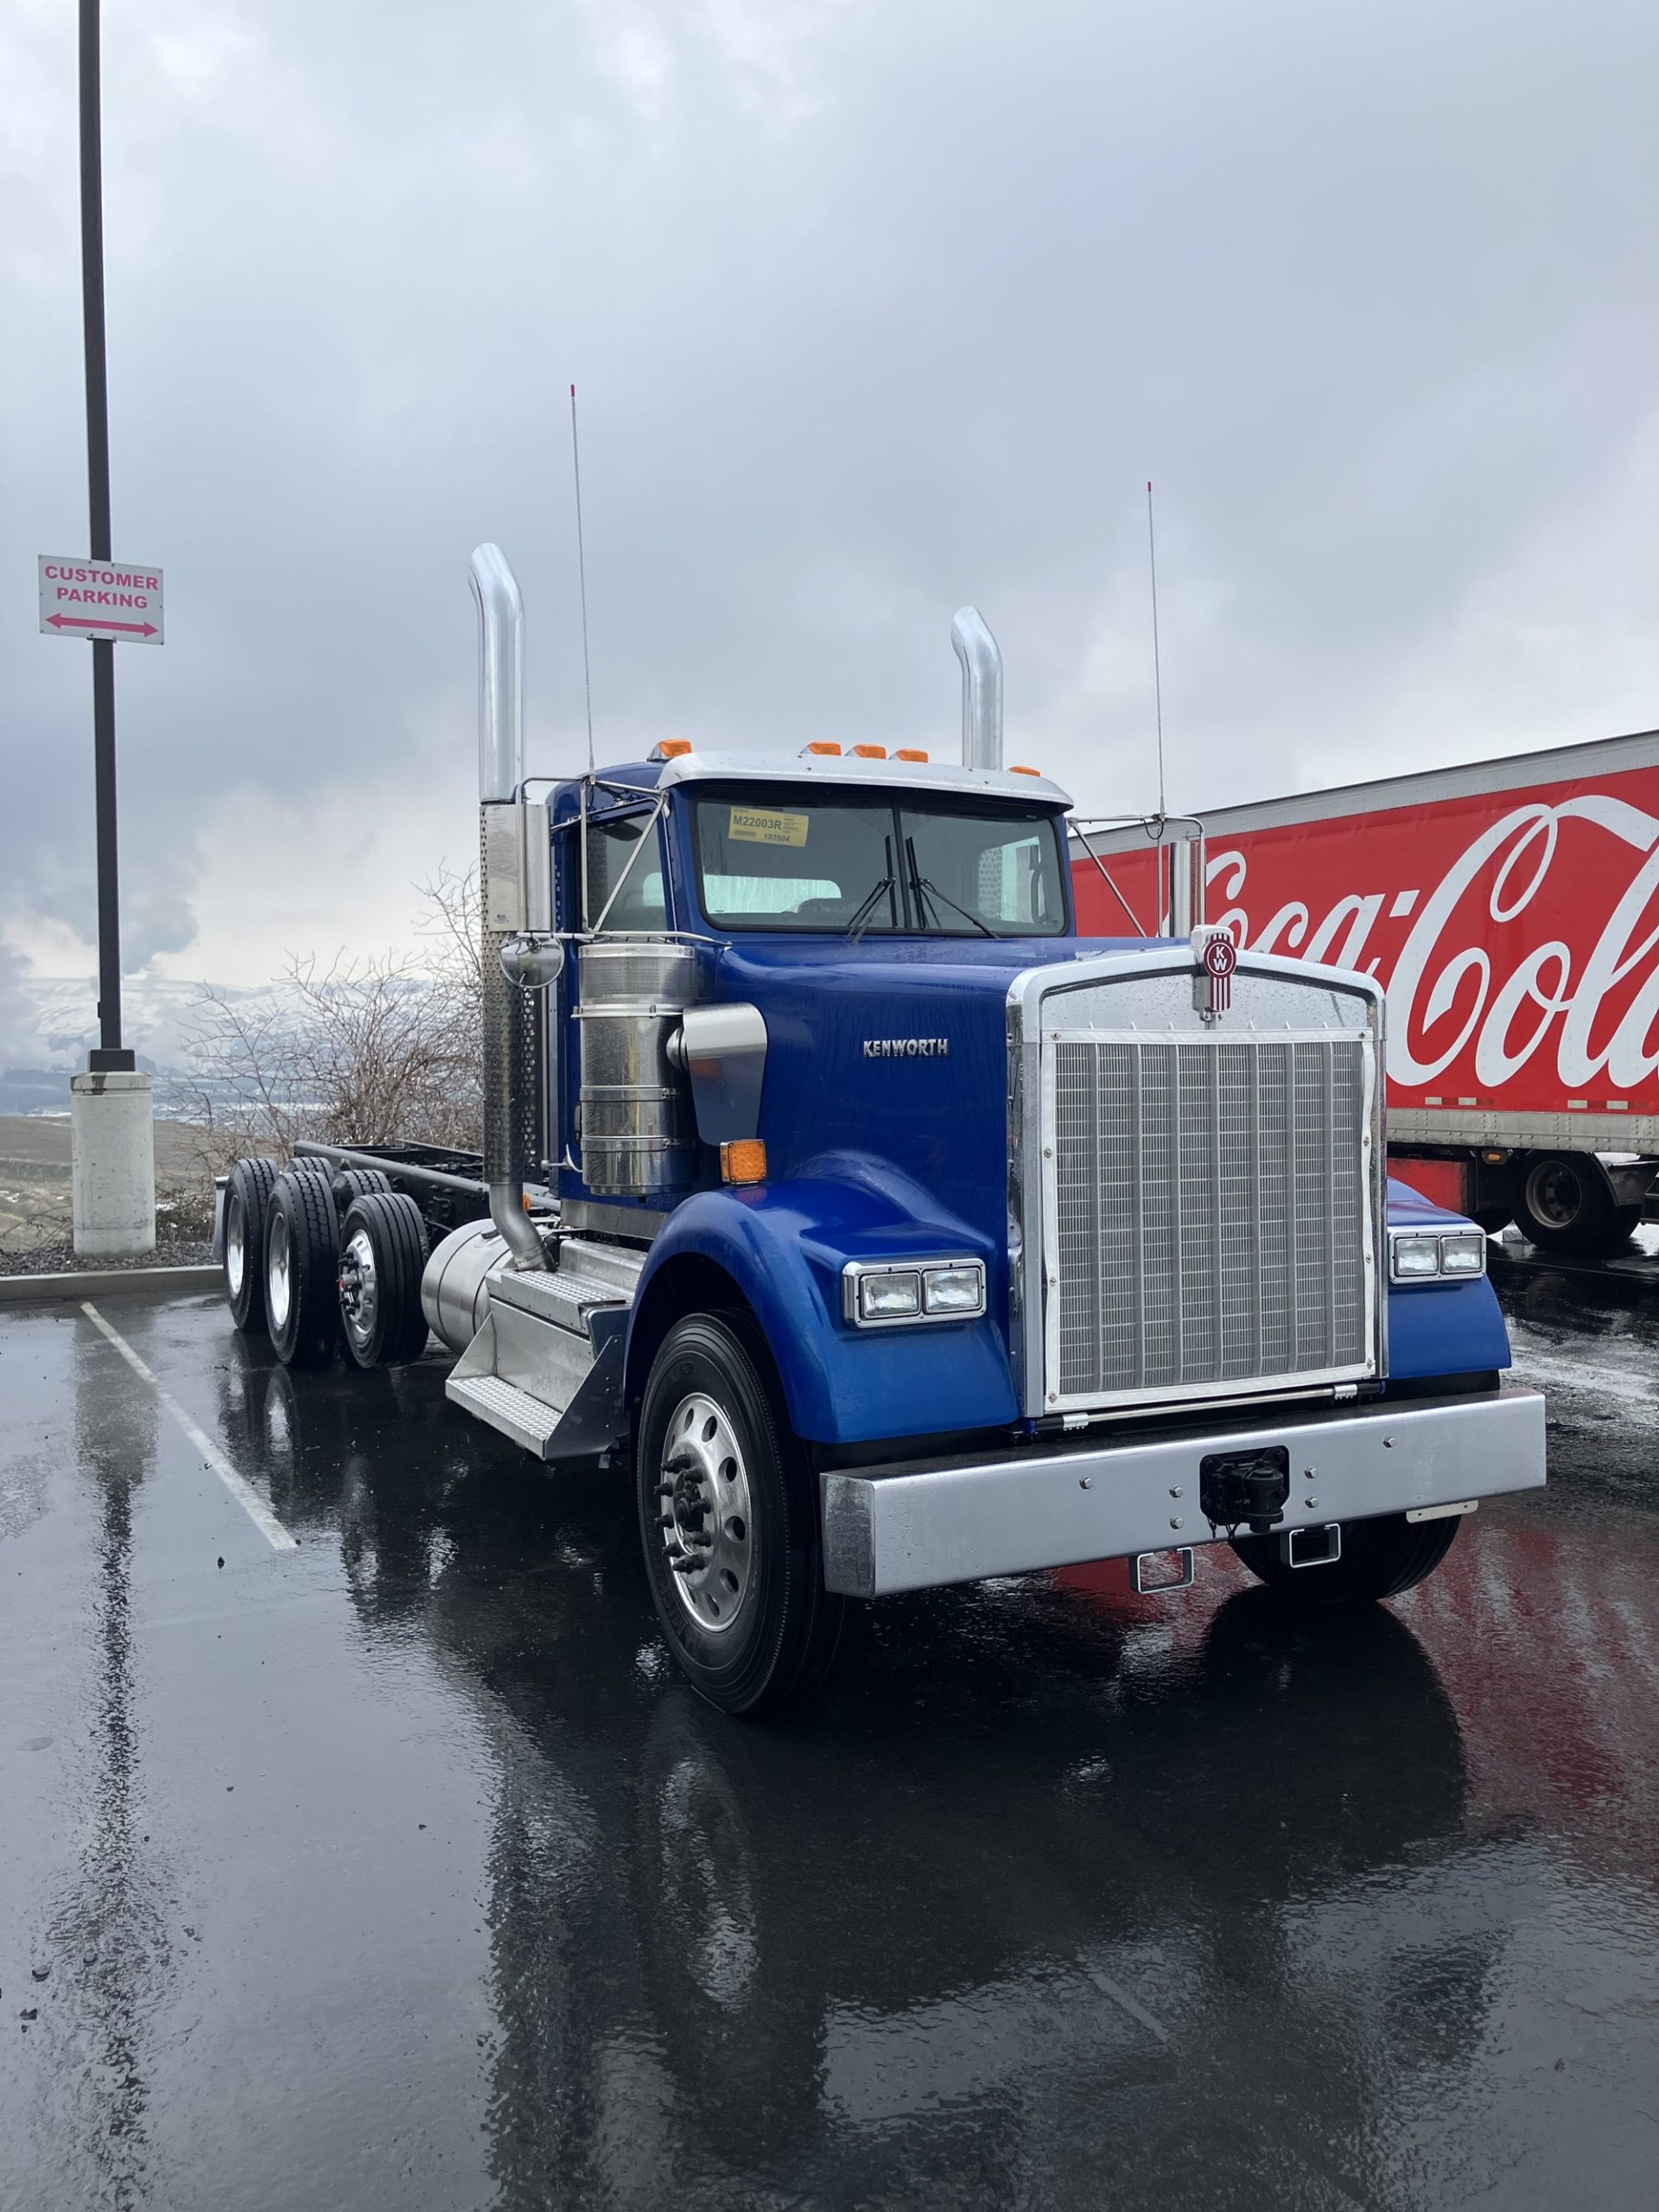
[(873, 309)]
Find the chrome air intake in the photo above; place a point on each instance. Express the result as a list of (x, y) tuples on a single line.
[(638, 1133)]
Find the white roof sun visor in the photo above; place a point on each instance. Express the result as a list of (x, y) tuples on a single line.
[(845, 770)]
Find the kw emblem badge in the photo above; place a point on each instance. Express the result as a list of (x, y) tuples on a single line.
[(1212, 989)]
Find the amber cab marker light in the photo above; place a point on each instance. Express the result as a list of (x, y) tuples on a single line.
[(743, 1161), (1014, 769), (821, 745), (870, 752), (671, 748), (909, 752)]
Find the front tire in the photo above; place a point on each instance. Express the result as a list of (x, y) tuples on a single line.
[(728, 1521), (1380, 1558)]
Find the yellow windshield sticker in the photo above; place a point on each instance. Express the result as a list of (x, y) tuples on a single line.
[(757, 825)]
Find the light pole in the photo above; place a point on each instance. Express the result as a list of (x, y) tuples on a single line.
[(109, 1052), (112, 1136)]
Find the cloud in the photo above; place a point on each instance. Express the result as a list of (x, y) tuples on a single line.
[(16, 1012), (872, 312)]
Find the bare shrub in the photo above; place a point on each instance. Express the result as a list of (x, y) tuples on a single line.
[(376, 1048)]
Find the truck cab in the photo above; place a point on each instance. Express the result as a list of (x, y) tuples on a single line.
[(885, 1233)]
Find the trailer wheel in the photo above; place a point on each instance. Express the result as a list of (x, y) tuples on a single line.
[(1567, 1206), (1380, 1558), (381, 1252), (247, 1196), (728, 1520), (301, 1269)]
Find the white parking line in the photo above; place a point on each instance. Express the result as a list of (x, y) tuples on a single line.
[(245, 1496)]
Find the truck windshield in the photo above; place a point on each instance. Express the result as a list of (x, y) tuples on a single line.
[(787, 860)]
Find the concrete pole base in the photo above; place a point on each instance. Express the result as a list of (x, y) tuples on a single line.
[(113, 1165)]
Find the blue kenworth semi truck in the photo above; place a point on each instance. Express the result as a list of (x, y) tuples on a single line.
[(883, 1232)]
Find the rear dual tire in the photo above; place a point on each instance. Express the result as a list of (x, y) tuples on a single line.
[(302, 1269), (382, 1253), (247, 1199)]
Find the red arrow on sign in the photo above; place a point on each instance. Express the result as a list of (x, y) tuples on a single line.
[(85, 622)]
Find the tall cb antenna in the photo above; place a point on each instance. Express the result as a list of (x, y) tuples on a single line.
[(581, 582), (1157, 670)]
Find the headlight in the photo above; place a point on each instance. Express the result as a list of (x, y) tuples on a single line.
[(876, 1294), (1463, 1253), (954, 1290), (889, 1297), (1413, 1257), (1422, 1256)]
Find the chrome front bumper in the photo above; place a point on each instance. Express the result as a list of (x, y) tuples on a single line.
[(910, 1528)]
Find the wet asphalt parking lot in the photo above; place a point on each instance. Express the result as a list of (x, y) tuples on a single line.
[(395, 1868)]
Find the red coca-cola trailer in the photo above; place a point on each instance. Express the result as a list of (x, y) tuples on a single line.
[(1510, 909)]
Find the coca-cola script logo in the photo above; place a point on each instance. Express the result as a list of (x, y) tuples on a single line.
[(1518, 954)]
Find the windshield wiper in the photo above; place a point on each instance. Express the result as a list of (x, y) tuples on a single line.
[(919, 883), (860, 920)]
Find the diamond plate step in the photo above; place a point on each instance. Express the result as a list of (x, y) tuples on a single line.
[(614, 1264), (506, 1407), (565, 1299)]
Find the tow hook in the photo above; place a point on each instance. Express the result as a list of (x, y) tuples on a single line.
[(1249, 1486)]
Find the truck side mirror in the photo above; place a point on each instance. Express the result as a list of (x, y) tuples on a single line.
[(531, 961)]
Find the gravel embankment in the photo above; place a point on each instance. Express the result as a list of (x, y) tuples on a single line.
[(59, 1259), (35, 1222)]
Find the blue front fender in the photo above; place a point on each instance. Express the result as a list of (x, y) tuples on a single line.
[(1440, 1328), (1445, 1329), (784, 1245)]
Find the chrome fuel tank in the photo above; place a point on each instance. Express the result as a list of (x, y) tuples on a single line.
[(454, 1284)]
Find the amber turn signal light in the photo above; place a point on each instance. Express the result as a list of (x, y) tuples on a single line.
[(743, 1161)]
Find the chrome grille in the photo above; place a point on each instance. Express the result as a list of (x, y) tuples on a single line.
[(1207, 1213)]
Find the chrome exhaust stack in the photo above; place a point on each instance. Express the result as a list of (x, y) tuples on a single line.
[(981, 689), (507, 882)]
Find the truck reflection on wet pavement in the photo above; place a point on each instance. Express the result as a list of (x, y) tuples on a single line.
[(401, 1870)]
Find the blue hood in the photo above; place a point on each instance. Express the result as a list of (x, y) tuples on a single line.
[(895, 1053)]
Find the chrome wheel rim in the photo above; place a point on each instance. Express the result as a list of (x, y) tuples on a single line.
[(359, 1289), (702, 1502), (235, 1245), (279, 1271)]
